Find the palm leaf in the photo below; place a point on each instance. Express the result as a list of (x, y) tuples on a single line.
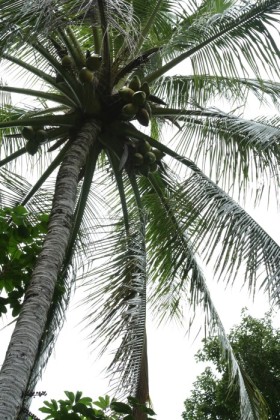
[(244, 241), (204, 89), (37, 93), (172, 254), (232, 149), (216, 45), (116, 294)]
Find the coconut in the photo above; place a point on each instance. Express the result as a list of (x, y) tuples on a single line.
[(93, 62), (153, 167), (67, 61), (146, 88), (32, 147), (144, 169), (148, 108), (143, 117), (144, 147), (158, 153), (150, 157), (139, 98), (135, 83), (41, 135), (85, 75), (138, 159), (129, 111), (126, 94), (28, 133)]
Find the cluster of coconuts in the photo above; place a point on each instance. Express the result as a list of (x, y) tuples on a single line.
[(86, 73), (145, 159), (34, 136), (135, 98)]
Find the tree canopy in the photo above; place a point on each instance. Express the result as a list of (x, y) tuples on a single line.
[(256, 344), (136, 169)]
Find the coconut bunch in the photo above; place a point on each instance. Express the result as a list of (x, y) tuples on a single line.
[(88, 66), (144, 159), (86, 73), (82, 67), (37, 135), (135, 98), (34, 136)]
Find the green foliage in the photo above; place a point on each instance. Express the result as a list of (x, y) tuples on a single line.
[(20, 243), (257, 346), (77, 407)]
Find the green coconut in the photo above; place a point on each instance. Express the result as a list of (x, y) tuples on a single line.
[(146, 88), (144, 147), (135, 83), (153, 167), (85, 75), (28, 133), (93, 62), (138, 159), (143, 117), (32, 146), (67, 61), (129, 111), (148, 108), (126, 94), (144, 169), (149, 157), (139, 98), (158, 153)]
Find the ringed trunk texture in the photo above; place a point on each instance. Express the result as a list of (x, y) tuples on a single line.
[(22, 350)]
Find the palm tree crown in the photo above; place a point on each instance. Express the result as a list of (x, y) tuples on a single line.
[(130, 206)]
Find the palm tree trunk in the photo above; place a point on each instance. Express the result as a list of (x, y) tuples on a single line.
[(30, 326), (142, 392)]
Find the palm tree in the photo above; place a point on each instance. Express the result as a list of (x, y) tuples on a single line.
[(140, 203)]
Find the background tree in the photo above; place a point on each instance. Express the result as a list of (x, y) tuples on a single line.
[(93, 69), (77, 407), (21, 240), (256, 345)]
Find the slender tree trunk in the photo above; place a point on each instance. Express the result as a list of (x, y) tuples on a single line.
[(30, 326), (142, 393)]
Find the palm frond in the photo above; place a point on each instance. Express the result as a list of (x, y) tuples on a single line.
[(54, 164), (13, 156), (203, 89), (116, 293), (170, 260), (244, 242), (225, 41), (230, 148), (37, 93), (233, 150), (172, 254), (13, 188)]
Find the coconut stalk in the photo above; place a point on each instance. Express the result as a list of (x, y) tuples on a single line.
[(22, 351)]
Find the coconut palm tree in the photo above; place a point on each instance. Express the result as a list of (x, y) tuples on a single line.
[(131, 206)]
